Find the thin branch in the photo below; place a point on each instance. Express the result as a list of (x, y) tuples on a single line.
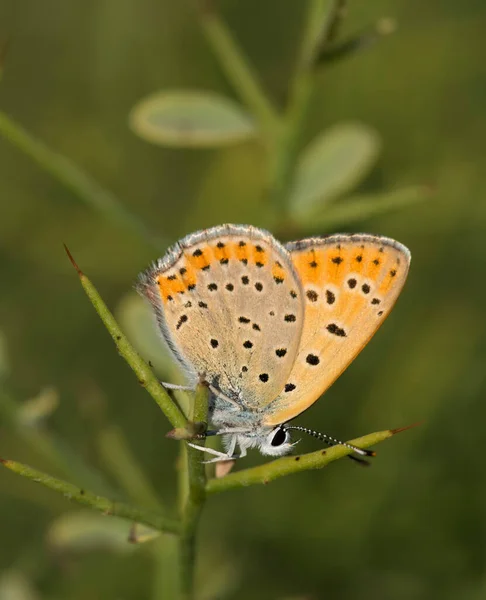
[(100, 503), (76, 180), (239, 72), (146, 377), (321, 23), (357, 43), (294, 464), (196, 497)]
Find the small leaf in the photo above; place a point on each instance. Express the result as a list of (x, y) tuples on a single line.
[(35, 410), (365, 206), (332, 164), (85, 531), (139, 534), (190, 119)]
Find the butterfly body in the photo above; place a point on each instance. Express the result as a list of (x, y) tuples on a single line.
[(270, 326)]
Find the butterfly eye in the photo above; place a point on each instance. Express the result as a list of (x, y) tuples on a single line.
[(280, 437)]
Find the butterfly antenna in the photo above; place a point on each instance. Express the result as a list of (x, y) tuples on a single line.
[(332, 441)]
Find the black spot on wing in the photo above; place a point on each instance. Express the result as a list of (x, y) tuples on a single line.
[(183, 319), (336, 330), (312, 359)]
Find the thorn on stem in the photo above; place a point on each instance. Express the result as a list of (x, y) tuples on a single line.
[(400, 429), (73, 262)]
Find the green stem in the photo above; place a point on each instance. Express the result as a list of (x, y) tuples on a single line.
[(240, 73), (293, 464), (165, 553), (321, 23), (76, 180), (196, 497), (145, 375), (104, 505)]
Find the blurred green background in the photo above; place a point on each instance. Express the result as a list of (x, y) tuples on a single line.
[(411, 527)]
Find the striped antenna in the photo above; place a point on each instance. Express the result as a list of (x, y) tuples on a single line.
[(330, 440)]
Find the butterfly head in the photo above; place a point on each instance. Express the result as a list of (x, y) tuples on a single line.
[(276, 443), (270, 442)]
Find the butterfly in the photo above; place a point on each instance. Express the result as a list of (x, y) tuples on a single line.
[(270, 326)]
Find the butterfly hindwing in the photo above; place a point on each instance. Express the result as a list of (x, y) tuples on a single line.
[(231, 307), (350, 284)]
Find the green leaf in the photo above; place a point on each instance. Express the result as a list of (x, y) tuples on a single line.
[(365, 206), (332, 164), (35, 410), (190, 119), (86, 531)]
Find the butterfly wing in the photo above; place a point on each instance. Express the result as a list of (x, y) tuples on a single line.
[(351, 283), (230, 306)]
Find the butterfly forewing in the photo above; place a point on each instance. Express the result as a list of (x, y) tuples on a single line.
[(350, 283), (231, 307)]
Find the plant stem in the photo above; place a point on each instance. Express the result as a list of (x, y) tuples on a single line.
[(239, 72), (293, 464), (196, 497), (76, 180), (321, 23), (145, 375), (104, 505), (165, 553)]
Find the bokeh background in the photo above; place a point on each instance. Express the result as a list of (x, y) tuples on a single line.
[(411, 527)]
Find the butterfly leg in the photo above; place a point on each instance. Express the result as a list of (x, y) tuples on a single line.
[(175, 386), (220, 456)]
